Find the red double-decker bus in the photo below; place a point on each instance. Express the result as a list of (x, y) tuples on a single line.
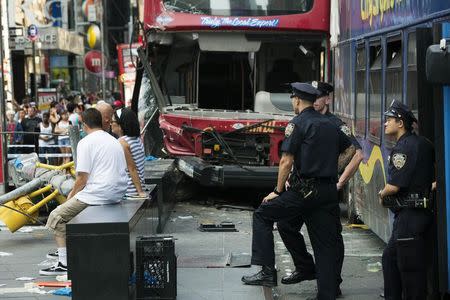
[(213, 80)]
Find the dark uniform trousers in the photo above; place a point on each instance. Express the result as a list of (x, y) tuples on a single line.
[(404, 258), (295, 244), (319, 214)]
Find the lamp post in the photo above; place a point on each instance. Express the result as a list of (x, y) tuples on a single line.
[(3, 140), (32, 36), (33, 50), (102, 30)]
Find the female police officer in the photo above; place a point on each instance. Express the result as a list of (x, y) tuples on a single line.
[(312, 145), (411, 172)]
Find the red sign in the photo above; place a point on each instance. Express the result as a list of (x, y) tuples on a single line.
[(93, 61)]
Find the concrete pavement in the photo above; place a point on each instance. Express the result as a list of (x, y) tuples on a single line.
[(202, 259)]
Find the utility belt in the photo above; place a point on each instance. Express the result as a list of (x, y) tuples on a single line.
[(306, 187), (413, 200)]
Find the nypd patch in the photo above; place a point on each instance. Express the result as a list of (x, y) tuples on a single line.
[(398, 160), (289, 129), (346, 130)]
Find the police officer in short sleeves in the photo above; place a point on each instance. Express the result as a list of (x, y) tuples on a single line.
[(289, 230), (411, 170), (312, 145)]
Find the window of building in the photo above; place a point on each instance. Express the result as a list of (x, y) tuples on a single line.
[(360, 106), (375, 90)]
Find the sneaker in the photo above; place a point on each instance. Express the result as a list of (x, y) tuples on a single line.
[(57, 269), (54, 255)]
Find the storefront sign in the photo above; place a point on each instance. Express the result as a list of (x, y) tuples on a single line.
[(52, 38), (93, 61)]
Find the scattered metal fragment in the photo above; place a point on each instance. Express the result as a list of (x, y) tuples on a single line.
[(222, 227)]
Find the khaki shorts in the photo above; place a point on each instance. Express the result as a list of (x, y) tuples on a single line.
[(61, 215)]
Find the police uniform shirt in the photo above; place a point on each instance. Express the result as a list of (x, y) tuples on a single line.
[(344, 128), (411, 164), (315, 143)]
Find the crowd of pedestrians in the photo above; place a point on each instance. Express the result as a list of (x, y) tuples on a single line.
[(46, 131)]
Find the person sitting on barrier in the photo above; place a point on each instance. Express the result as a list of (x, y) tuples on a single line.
[(125, 125), (101, 179)]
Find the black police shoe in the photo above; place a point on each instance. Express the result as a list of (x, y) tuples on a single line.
[(266, 277), (297, 276)]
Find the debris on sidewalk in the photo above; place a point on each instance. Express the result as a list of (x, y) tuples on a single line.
[(238, 207), (185, 217), (360, 226), (5, 254), (374, 267), (54, 284), (62, 278), (26, 229), (62, 292), (47, 263), (25, 278), (28, 287), (231, 260), (222, 227), (239, 260)]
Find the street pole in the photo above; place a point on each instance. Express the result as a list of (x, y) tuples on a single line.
[(102, 30), (33, 49), (4, 138)]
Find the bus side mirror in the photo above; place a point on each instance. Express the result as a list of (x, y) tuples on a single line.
[(438, 63)]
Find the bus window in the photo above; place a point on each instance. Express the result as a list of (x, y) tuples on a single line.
[(360, 109), (394, 85), (394, 79), (375, 85), (411, 90), (240, 8)]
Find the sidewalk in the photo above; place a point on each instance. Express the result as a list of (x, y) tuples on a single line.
[(202, 259)]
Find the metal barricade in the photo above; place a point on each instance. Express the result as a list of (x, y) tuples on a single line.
[(53, 153)]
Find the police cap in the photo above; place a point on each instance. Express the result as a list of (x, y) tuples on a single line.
[(323, 87), (304, 91), (400, 111)]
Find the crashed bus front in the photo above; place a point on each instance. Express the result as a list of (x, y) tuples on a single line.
[(213, 85)]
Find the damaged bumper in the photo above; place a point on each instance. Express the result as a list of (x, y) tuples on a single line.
[(227, 175)]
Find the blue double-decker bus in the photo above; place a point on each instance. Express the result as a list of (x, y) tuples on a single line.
[(379, 54)]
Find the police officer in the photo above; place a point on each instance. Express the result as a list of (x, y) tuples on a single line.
[(290, 229), (312, 145), (411, 170)]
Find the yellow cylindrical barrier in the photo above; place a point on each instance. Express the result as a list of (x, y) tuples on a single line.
[(56, 168), (44, 201), (15, 220), (45, 189)]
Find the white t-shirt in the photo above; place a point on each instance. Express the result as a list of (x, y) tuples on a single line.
[(74, 119), (102, 156)]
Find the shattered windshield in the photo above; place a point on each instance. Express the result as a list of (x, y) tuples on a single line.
[(240, 7)]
